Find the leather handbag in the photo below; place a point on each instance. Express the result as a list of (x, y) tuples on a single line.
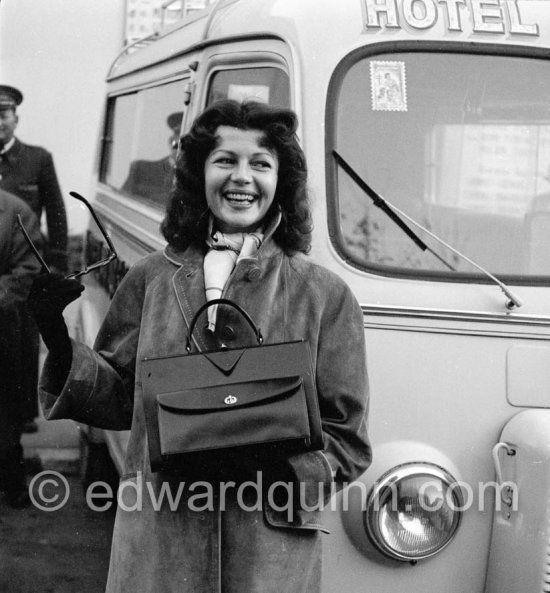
[(261, 398)]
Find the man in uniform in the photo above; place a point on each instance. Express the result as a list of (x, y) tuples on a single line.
[(18, 267), (28, 172), (153, 179)]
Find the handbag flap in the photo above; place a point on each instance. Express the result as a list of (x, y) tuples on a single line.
[(224, 397), (226, 360)]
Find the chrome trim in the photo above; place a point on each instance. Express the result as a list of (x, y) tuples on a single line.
[(121, 222), (132, 239), (455, 315), (388, 481)]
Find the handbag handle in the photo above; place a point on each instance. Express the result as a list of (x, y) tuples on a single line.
[(255, 329)]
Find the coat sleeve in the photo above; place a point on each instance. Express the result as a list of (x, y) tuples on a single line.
[(342, 387), (56, 217), (99, 390), (22, 266)]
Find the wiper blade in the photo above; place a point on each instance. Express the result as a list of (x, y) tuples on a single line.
[(394, 213), (381, 203)]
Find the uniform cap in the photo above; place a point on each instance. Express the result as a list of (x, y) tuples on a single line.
[(10, 97)]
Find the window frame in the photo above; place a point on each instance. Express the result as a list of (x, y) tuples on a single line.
[(107, 138), (241, 59), (336, 236)]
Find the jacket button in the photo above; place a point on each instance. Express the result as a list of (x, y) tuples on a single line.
[(254, 273), (228, 333)]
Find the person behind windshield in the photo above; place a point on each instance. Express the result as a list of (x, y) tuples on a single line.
[(241, 184)]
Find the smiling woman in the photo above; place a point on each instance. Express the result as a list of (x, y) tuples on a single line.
[(238, 225)]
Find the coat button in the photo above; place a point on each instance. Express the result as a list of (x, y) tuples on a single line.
[(228, 333), (254, 273)]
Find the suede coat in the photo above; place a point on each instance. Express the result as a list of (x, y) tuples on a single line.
[(214, 540)]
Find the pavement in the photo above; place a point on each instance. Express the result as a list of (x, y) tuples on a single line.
[(56, 444), (45, 549), (62, 550), (50, 547)]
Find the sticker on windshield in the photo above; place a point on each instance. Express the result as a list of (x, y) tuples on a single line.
[(388, 86)]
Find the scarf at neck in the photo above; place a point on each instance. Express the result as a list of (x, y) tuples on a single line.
[(225, 250)]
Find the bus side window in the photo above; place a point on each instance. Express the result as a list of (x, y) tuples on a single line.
[(144, 129)]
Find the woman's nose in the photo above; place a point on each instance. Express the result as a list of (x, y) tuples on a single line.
[(241, 173)]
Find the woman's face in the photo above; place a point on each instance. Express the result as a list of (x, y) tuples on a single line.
[(240, 179)]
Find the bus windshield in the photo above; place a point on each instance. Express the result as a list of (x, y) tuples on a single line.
[(461, 143)]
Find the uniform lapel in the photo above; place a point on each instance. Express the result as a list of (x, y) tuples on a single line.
[(13, 154)]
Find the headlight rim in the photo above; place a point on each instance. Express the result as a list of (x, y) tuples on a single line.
[(395, 475)]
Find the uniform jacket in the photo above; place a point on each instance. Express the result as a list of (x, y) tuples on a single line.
[(151, 179), (290, 298), (29, 173), (17, 268)]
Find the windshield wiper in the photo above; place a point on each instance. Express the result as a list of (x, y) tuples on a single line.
[(381, 203), (394, 213)]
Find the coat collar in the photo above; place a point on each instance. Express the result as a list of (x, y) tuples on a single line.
[(188, 280), (8, 145), (14, 152)]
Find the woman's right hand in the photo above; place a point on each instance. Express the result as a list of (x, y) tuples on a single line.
[(50, 294)]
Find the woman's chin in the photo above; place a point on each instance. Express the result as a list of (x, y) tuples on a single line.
[(239, 222)]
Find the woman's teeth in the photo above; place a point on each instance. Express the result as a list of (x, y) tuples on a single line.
[(239, 197)]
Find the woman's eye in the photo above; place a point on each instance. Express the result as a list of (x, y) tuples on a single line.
[(262, 164), (224, 161)]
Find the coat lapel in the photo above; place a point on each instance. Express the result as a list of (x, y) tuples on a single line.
[(188, 284)]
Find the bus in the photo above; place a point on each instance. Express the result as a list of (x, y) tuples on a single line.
[(426, 125)]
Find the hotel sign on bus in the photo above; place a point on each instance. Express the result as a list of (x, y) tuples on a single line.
[(480, 16)]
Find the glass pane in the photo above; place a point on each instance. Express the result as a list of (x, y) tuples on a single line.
[(460, 143), (146, 127), (265, 84), (121, 117)]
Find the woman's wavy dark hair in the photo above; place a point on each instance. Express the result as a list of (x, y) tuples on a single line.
[(187, 212)]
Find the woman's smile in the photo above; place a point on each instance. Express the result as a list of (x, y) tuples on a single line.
[(240, 179), (239, 199)]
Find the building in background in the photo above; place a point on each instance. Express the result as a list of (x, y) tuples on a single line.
[(144, 17)]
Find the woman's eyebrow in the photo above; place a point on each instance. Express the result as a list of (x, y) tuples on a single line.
[(261, 152), (216, 151)]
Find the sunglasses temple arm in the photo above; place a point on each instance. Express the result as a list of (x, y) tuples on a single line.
[(32, 245), (98, 222)]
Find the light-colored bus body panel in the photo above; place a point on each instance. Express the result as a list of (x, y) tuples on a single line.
[(447, 360), (440, 397)]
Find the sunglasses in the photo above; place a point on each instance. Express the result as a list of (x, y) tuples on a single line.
[(111, 255)]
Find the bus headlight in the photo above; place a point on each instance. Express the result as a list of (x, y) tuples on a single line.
[(413, 511)]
